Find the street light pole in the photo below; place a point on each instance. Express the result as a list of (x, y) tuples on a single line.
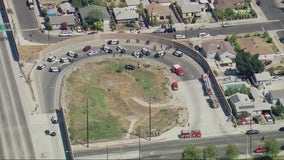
[(88, 121), (150, 99), (139, 143)]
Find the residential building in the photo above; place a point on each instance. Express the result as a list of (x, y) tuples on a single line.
[(125, 15), (132, 3), (241, 103), (156, 10), (56, 21), (224, 4), (275, 96), (222, 48), (163, 2), (66, 8), (262, 79), (188, 10), (256, 46)]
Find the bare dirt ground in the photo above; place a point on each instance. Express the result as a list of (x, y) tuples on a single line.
[(30, 52)]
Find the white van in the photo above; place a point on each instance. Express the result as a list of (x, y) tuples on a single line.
[(65, 33), (180, 36)]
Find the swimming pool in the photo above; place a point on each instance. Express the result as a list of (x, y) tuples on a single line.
[(234, 85)]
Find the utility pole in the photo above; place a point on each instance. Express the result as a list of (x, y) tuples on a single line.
[(150, 99), (87, 120), (139, 143)]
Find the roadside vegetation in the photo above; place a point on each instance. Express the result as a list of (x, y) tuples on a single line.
[(107, 89), (230, 91)]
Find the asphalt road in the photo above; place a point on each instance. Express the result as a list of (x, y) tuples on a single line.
[(46, 80), (15, 139), (173, 149)]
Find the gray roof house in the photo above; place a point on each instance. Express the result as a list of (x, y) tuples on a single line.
[(125, 15), (275, 95), (83, 12), (241, 103), (66, 8), (223, 48), (56, 21), (188, 10), (132, 3), (262, 78)]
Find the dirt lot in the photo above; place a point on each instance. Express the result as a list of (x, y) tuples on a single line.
[(111, 94), (30, 52)]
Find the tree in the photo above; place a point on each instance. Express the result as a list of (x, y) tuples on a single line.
[(122, 5), (271, 147), (247, 64), (76, 3), (112, 5), (85, 26), (232, 151), (112, 25), (140, 10), (48, 26), (64, 26), (191, 152), (98, 25), (210, 152), (94, 16), (44, 12), (277, 110)]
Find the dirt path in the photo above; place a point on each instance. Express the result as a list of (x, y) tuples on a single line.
[(146, 104), (133, 119)]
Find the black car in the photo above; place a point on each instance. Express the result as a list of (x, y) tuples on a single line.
[(258, 2), (52, 134), (129, 67), (281, 39), (251, 131), (170, 30), (282, 147), (281, 129)]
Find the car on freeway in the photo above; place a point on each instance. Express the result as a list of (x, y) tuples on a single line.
[(54, 69), (113, 42), (228, 24), (92, 52), (203, 27), (160, 54), (137, 54), (129, 67), (281, 129), (65, 60), (86, 48), (51, 58), (259, 149), (106, 49), (251, 131), (281, 39), (120, 49), (180, 36), (146, 51), (41, 66), (178, 53), (72, 54)]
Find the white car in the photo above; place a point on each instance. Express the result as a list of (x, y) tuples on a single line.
[(137, 54), (203, 27), (227, 24), (113, 41), (72, 54), (40, 66), (65, 34), (106, 49), (54, 69), (146, 51), (51, 58), (65, 60), (92, 52), (180, 36), (201, 35), (178, 53)]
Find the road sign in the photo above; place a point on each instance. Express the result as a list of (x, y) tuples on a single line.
[(2, 27)]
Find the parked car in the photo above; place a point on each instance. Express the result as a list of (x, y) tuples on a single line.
[(41, 66), (281, 129), (227, 24), (256, 120), (65, 34), (54, 69), (92, 52), (137, 54), (259, 149), (180, 36), (258, 2), (120, 49), (281, 39), (65, 60), (282, 147), (86, 48), (178, 53), (160, 54), (170, 30), (146, 51), (160, 30), (52, 133), (134, 30), (251, 131), (51, 58), (53, 119), (72, 54), (268, 117), (106, 49), (129, 67), (113, 42), (174, 86), (203, 27), (201, 35)]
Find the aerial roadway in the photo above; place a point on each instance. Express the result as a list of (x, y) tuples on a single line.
[(15, 138)]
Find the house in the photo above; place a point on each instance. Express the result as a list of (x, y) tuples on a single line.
[(106, 17), (224, 4), (156, 10), (56, 21), (188, 10), (220, 48), (163, 2), (276, 96), (256, 95), (66, 8), (125, 15), (262, 78), (256, 46), (241, 103)]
